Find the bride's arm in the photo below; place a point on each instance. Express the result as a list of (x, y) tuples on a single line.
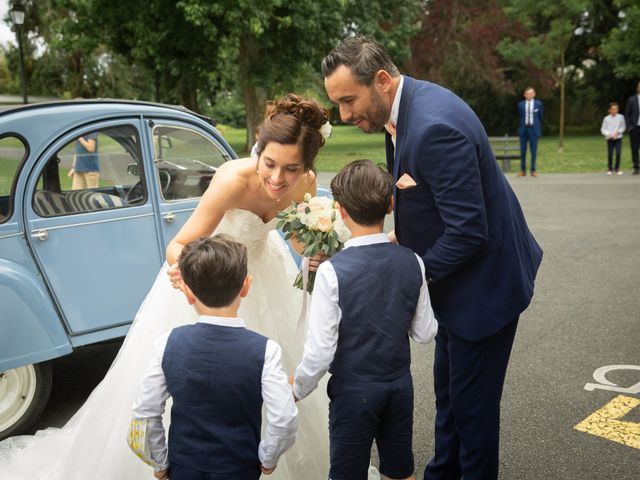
[(223, 194)]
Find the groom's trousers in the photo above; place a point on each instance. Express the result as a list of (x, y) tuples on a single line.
[(468, 378)]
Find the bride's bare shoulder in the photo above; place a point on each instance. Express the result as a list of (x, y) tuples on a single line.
[(235, 173)]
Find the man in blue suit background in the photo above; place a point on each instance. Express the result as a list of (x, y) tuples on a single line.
[(530, 113), (454, 208)]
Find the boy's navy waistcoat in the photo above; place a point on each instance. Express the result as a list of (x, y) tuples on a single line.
[(214, 375), (378, 286)]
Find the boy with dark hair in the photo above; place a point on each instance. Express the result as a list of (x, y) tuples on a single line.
[(218, 373), (367, 300), (613, 127)]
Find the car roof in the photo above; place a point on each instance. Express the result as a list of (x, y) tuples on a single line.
[(38, 124), (35, 107)]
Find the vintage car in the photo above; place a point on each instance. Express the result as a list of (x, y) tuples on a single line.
[(75, 264)]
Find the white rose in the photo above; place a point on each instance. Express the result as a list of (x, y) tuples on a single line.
[(341, 229)]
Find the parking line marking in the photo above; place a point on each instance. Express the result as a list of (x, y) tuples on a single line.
[(605, 422)]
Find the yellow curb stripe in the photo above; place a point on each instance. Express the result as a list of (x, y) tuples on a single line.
[(606, 422)]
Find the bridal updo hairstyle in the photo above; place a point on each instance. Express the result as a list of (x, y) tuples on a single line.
[(293, 120)]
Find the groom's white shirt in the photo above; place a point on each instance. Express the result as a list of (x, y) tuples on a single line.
[(282, 414), (325, 315), (395, 108)]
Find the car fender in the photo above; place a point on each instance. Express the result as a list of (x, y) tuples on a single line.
[(31, 329)]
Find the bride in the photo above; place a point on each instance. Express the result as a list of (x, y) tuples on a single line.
[(243, 200)]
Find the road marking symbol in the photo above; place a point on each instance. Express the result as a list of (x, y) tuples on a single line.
[(606, 422), (600, 376)]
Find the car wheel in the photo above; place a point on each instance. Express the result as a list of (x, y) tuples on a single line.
[(24, 392)]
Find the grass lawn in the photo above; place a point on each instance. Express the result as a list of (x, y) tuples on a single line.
[(347, 143)]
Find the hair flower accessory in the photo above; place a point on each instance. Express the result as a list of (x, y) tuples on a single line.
[(325, 129)]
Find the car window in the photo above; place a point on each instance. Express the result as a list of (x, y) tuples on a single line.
[(97, 170), (185, 161), (12, 151)]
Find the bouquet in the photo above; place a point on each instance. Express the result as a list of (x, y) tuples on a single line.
[(317, 225)]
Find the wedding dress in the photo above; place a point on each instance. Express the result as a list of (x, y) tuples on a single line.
[(93, 443)]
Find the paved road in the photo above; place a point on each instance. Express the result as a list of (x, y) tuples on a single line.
[(585, 315)]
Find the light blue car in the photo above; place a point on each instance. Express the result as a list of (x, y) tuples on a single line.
[(79, 252)]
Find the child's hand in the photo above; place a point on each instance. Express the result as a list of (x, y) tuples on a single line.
[(162, 474), (291, 382), (316, 260), (71, 172), (175, 277), (267, 471)]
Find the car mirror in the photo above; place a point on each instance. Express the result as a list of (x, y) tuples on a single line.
[(133, 169), (165, 142)]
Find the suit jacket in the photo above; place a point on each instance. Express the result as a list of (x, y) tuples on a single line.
[(538, 111), (632, 112), (462, 218)]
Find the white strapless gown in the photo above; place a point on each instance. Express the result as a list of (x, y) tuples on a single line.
[(92, 445)]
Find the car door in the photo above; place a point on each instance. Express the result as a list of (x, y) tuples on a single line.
[(93, 231), (185, 159)]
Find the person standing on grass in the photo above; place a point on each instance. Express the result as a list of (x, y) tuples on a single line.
[(613, 127)]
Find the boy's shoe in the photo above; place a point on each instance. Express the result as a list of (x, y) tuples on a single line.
[(609, 172), (619, 172), (636, 171), (534, 174), (521, 174)]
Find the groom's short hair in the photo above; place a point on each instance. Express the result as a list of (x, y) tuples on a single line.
[(214, 268), (364, 190), (363, 56)]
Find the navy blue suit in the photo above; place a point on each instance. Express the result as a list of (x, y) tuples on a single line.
[(631, 114), (529, 132), (480, 259)]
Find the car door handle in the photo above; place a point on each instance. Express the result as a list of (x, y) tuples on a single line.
[(40, 234), (170, 217)]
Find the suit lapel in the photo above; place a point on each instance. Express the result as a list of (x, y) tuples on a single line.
[(402, 127)]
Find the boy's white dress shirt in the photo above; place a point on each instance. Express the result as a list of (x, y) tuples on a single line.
[(613, 124), (325, 315), (147, 436)]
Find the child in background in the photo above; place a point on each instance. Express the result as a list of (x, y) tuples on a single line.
[(613, 126)]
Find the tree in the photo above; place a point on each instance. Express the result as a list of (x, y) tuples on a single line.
[(456, 47), (620, 48), (277, 44), (554, 24)]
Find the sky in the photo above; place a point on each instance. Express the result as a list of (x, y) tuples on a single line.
[(6, 34)]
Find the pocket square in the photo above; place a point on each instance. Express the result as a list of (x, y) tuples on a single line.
[(405, 182)]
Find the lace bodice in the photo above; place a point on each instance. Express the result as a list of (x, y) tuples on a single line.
[(248, 228)]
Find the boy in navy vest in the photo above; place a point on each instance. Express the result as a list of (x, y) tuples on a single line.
[(218, 373), (367, 300)]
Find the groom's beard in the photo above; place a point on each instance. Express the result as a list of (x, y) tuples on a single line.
[(377, 114)]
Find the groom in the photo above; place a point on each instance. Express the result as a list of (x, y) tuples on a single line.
[(456, 210)]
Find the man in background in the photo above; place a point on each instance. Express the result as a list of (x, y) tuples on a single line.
[(529, 128), (632, 117)]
